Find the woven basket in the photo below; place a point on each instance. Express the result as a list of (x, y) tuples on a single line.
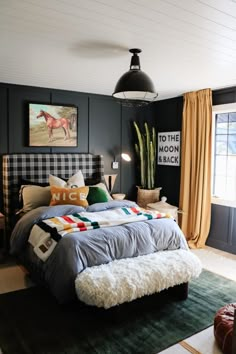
[(146, 196)]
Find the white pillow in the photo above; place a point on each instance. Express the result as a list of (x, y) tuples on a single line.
[(77, 180), (34, 197), (103, 187)]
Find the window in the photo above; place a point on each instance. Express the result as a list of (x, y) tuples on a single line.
[(224, 147)]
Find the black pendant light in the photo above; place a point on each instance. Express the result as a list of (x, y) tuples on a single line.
[(135, 88)]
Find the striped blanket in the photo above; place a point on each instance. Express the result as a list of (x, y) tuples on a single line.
[(59, 226), (46, 233)]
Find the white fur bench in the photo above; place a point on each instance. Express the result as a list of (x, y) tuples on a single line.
[(127, 279)]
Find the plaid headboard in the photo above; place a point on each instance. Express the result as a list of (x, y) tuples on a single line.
[(37, 167)]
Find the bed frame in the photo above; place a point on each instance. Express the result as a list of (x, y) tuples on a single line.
[(36, 168)]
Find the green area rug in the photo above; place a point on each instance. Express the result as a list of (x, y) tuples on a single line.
[(31, 322)]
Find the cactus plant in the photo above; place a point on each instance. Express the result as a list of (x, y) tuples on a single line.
[(146, 151)]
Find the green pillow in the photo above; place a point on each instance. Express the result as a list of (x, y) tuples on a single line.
[(96, 195)]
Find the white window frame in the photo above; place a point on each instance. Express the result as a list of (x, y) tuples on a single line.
[(223, 108)]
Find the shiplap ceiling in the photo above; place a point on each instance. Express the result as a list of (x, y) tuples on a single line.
[(83, 45)]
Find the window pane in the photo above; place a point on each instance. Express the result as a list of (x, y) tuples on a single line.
[(220, 186), (232, 128), (231, 167), (232, 123), (222, 123), (222, 118), (232, 117), (220, 165), (230, 189), (222, 128), (232, 145), (221, 144), (224, 183)]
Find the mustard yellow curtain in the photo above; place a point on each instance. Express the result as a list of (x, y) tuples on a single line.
[(195, 185)]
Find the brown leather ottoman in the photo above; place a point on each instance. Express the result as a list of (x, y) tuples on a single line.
[(223, 327)]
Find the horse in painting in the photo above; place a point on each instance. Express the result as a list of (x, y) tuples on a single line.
[(54, 123)]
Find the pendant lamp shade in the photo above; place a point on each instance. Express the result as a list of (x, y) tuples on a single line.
[(135, 88)]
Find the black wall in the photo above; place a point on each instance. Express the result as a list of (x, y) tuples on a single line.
[(168, 114), (222, 233), (104, 127), (224, 96), (130, 170)]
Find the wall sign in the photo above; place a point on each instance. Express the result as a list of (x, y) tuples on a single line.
[(168, 149)]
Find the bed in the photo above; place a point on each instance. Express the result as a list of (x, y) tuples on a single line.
[(81, 261)]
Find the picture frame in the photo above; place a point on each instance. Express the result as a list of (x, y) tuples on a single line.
[(53, 125)]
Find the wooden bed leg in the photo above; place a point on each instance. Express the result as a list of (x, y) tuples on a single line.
[(179, 292)]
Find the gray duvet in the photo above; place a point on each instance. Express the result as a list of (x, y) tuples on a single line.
[(79, 250)]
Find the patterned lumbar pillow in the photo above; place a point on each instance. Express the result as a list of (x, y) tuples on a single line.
[(77, 180), (96, 195), (75, 196)]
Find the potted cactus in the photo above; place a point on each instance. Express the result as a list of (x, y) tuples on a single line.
[(145, 148)]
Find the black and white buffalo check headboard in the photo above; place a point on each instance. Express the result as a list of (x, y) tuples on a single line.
[(37, 167)]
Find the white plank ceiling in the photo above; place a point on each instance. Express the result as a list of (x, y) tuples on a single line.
[(83, 45)]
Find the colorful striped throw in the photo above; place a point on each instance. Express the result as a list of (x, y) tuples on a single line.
[(59, 226)]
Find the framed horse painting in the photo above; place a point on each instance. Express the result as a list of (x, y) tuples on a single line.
[(52, 125)]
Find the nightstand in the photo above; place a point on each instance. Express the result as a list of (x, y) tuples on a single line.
[(164, 207)]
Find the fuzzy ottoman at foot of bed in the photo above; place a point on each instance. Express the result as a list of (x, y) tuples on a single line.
[(127, 279)]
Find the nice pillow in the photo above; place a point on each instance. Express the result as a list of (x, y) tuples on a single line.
[(34, 196), (75, 196), (75, 181), (96, 195)]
